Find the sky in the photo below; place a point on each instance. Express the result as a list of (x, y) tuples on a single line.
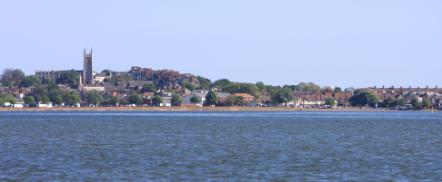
[(345, 43)]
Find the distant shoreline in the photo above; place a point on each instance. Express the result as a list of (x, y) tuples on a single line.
[(206, 109)]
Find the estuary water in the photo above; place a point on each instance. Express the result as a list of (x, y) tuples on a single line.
[(230, 146)]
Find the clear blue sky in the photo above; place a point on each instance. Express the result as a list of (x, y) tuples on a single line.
[(340, 42)]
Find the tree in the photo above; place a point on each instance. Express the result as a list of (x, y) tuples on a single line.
[(426, 103), (72, 98), (204, 83), (338, 89), (260, 86), (222, 83), (327, 90), (189, 86), (106, 72), (29, 99), (40, 94), (390, 102), (114, 101), (12, 77), (29, 81), (400, 102), (71, 78), (281, 95), (362, 98), (308, 87), (149, 87), (211, 98), (52, 86), (242, 88), (55, 96), (195, 100), (415, 103), (176, 100), (330, 102), (157, 100), (94, 97), (135, 99), (7, 98)]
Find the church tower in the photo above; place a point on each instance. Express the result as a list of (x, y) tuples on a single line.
[(87, 68)]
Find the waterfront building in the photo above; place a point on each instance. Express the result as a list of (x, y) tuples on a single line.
[(196, 93), (247, 98), (222, 96)]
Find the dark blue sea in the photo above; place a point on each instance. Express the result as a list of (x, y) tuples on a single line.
[(230, 146)]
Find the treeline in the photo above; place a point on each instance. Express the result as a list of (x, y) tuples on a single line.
[(44, 91), (364, 97)]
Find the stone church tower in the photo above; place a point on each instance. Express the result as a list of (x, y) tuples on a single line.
[(87, 68)]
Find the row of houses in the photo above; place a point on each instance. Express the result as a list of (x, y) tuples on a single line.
[(122, 89)]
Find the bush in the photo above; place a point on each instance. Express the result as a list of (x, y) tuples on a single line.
[(135, 99), (176, 100)]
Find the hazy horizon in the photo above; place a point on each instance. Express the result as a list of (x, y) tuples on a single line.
[(332, 43)]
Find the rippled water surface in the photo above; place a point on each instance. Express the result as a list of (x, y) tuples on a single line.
[(243, 146)]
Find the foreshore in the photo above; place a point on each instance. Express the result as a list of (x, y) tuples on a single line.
[(203, 109)]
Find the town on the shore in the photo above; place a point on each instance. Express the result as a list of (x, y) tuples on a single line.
[(145, 87)]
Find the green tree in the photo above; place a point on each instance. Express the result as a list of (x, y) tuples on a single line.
[(7, 98), (55, 96), (176, 100), (242, 88), (415, 103), (29, 99), (157, 100), (195, 100), (40, 94), (114, 101), (135, 99), (189, 86), (204, 83), (308, 87), (330, 101), (12, 77), (52, 86), (106, 72), (149, 87), (281, 95), (211, 99), (70, 78), (222, 83), (72, 98), (29, 81), (426, 103), (362, 98), (94, 97), (390, 102), (338, 89), (400, 102), (260, 86)]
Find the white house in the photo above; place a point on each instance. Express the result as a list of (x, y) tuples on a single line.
[(196, 93), (19, 105), (43, 105), (167, 102)]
